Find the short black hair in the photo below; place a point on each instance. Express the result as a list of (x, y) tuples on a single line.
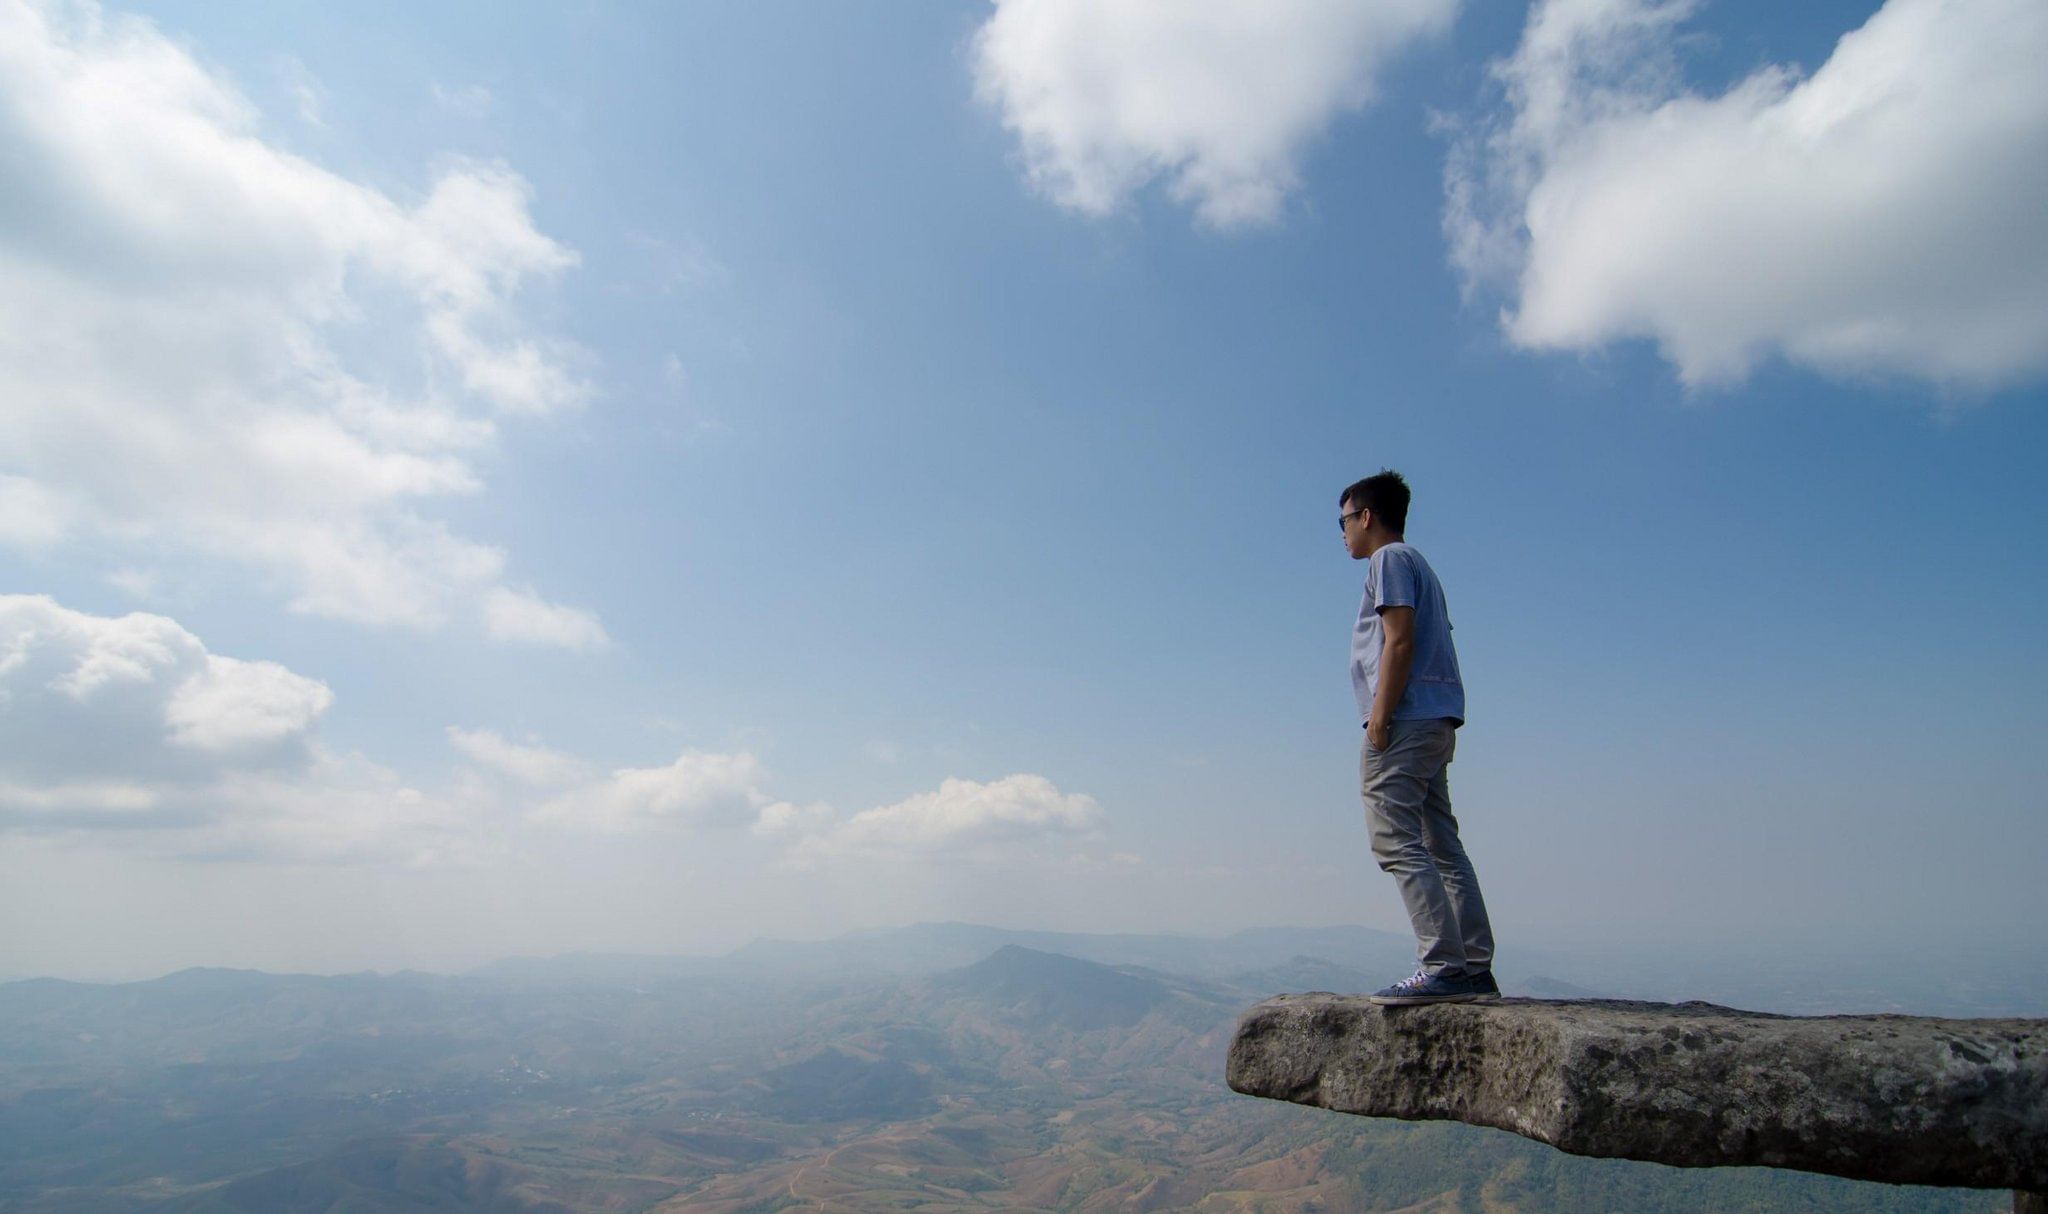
[(1385, 494)]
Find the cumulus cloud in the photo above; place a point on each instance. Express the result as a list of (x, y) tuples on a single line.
[(1217, 97), (962, 817), (88, 697), (232, 705), (784, 820), (212, 347), (536, 765), (129, 722), (521, 615), (1010, 818), (700, 788), (1885, 215)]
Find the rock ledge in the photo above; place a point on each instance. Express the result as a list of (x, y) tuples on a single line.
[(1904, 1099)]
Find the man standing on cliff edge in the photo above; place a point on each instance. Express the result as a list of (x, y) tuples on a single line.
[(1405, 673)]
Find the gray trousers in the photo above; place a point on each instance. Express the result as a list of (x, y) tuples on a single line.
[(1408, 810)]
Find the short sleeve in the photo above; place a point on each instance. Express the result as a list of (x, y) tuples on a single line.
[(1398, 584)]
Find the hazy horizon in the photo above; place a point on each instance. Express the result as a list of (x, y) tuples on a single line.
[(928, 1076), (1897, 971)]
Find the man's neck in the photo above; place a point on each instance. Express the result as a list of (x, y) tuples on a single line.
[(1375, 542)]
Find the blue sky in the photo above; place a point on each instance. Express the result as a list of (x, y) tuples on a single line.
[(683, 473)]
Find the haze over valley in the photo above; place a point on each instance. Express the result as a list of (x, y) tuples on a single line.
[(938, 1067)]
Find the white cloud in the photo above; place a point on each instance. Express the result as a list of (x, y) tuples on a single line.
[(1014, 817), (963, 817), (783, 820), (536, 765), (699, 789), (1886, 215), (232, 705), (129, 730), (216, 349), (97, 698), (128, 723), (521, 615), (1218, 97), (142, 684)]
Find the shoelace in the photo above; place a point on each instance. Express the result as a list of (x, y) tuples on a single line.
[(1415, 982)]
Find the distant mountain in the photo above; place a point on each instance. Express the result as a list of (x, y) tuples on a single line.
[(837, 1084), (1047, 988), (932, 947), (1017, 1079)]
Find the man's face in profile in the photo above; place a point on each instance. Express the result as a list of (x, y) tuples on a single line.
[(1354, 521)]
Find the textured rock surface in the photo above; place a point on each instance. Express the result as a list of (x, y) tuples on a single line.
[(1893, 1098)]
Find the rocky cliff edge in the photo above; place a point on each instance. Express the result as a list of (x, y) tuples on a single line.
[(1903, 1099)]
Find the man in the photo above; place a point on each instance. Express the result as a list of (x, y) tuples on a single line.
[(1405, 673)]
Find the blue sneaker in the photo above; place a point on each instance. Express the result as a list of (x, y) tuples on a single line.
[(1424, 987), (1484, 988)]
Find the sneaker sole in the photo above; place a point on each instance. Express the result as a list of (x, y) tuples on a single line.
[(1412, 1000), (1487, 997)]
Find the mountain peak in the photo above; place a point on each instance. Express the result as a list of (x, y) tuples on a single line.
[(1075, 993)]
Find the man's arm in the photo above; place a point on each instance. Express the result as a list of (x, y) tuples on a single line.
[(1397, 657)]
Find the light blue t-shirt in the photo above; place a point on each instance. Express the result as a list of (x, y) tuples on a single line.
[(1397, 576)]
